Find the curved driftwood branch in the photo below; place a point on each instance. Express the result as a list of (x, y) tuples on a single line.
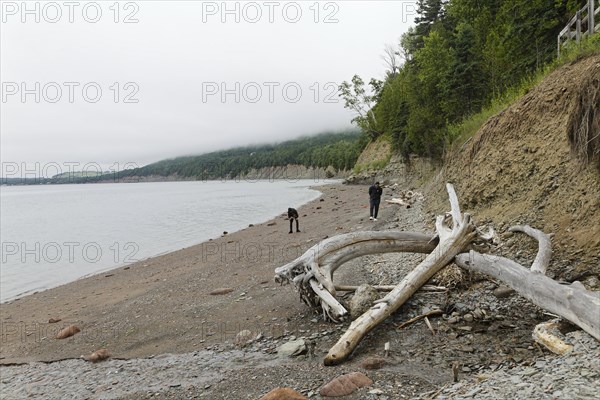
[(544, 254), (312, 273), (453, 240), (572, 302)]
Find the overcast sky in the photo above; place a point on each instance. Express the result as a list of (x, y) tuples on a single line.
[(156, 79)]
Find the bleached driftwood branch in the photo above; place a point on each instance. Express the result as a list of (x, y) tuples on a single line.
[(544, 254), (572, 302), (452, 241), (312, 273)]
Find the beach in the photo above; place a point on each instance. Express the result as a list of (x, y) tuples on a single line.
[(163, 304), (170, 338)]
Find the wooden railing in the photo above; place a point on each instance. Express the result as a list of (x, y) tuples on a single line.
[(581, 25)]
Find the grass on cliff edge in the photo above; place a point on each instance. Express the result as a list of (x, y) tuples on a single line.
[(459, 133)]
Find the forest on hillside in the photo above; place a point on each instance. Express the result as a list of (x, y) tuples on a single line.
[(339, 150), (458, 57)]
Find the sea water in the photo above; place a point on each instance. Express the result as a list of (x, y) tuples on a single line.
[(54, 234)]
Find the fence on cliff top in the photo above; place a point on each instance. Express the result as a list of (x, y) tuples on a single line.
[(581, 25)]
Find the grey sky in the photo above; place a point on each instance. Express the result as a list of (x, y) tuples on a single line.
[(177, 59)]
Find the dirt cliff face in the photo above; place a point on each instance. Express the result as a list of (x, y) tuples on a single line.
[(521, 168)]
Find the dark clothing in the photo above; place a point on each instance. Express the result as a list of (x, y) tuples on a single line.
[(375, 193), (374, 208), (293, 215)]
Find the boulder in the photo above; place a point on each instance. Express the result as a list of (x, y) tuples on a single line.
[(244, 338), (283, 394), (373, 362), (345, 384), (292, 348), (362, 300)]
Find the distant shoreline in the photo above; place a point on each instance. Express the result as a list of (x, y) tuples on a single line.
[(49, 181)]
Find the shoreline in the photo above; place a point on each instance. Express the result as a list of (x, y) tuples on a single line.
[(311, 187), (107, 304)]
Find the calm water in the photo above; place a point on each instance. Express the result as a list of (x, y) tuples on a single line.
[(56, 234)]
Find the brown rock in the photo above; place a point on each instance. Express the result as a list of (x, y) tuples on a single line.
[(283, 394), (345, 384), (67, 332), (221, 291), (373, 362), (54, 320), (503, 291), (98, 355)]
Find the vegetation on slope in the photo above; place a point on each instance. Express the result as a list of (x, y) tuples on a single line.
[(461, 57)]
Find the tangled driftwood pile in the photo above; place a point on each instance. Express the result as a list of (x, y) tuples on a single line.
[(312, 274), (406, 198)]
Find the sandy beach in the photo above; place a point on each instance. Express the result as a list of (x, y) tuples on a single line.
[(163, 304)]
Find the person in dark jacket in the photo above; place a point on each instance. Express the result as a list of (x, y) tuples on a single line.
[(375, 192), (293, 215)]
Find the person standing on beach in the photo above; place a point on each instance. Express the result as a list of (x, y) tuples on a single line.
[(375, 192), (293, 215)]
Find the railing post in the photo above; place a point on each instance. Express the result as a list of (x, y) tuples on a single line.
[(578, 29), (591, 22)]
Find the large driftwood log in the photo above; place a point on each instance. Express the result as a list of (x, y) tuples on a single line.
[(312, 273), (452, 241), (572, 302)]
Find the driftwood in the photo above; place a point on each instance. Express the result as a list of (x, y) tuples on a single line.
[(544, 254), (572, 302), (389, 288), (452, 241), (542, 334), (419, 317), (312, 274), (406, 198)]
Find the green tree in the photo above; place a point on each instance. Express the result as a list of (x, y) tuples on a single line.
[(357, 99), (464, 88)]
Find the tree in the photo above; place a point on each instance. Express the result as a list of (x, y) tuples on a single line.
[(465, 83), (390, 58), (357, 99)]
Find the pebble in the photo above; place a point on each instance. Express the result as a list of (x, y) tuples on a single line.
[(74, 379), (552, 376)]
